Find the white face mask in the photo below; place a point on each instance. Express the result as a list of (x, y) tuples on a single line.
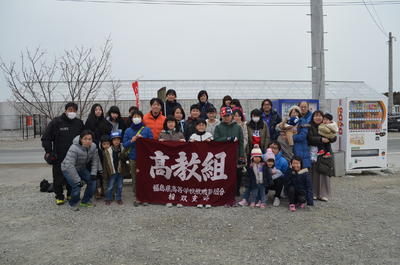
[(71, 115), (256, 119), (136, 120)]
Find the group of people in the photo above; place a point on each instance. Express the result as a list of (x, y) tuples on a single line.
[(274, 153)]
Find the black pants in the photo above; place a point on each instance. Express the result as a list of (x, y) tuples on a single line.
[(239, 175), (277, 186), (59, 181), (295, 196)]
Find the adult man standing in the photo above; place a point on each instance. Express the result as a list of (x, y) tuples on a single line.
[(305, 111), (229, 131), (270, 117), (154, 118), (56, 141)]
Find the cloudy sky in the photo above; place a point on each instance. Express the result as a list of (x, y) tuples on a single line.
[(206, 42)]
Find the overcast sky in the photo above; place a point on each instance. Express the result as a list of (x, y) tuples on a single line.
[(206, 42)]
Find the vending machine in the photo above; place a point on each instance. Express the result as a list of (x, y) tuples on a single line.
[(362, 133)]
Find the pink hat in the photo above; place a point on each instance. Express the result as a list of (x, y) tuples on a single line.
[(269, 155)]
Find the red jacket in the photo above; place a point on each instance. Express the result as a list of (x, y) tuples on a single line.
[(156, 125)]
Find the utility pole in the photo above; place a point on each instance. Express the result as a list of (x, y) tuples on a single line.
[(317, 48), (390, 73)]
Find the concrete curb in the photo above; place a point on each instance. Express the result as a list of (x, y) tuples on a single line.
[(38, 164)]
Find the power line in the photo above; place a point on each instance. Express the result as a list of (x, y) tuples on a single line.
[(378, 18), (235, 3), (380, 27)]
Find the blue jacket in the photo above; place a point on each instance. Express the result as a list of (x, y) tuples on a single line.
[(302, 183), (130, 132), (301, 147), (307, 118), (281, 163)]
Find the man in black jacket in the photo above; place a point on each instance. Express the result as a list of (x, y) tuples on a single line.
[(56, 141)]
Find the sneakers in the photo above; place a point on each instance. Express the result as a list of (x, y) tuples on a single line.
[(252, 205), (179, 205), (324, 199), (107, 202), (86, 204), (263, 205), (302, 206), (243, 202), (169, 205), (208, 206), (199, 205), (60, 202), (145, 204), (258, 204), (292, 207), (277, 202), (120, 202)]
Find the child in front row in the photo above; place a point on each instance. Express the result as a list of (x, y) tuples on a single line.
[(200, 136), (259, 176), (113, 167), (298, 185), (328, 129), (171, 132)]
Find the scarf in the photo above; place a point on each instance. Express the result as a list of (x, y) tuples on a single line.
[(257, 169)]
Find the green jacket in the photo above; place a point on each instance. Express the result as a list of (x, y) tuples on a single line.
[(223, 131)]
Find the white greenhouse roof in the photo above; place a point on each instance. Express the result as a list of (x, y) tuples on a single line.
[(241, 89)]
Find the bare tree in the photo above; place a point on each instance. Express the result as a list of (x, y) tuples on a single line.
[(39, 84), (34, 86), (84, 74), (114, 94)]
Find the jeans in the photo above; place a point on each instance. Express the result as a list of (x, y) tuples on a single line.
[(118, 180), (76, 190), (246, 194), (258, 192)]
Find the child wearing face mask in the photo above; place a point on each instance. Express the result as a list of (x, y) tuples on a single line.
[(136, 131)]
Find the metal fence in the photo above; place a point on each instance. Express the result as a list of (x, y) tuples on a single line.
[(22, 126)]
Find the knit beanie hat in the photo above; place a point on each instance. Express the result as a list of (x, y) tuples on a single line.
[(297, 108), (269, 155), (256, 151)]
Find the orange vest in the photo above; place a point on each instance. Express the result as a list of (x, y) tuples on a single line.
[(155, 125)]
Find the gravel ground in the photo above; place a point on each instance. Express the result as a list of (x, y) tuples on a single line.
[(359, 225)]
